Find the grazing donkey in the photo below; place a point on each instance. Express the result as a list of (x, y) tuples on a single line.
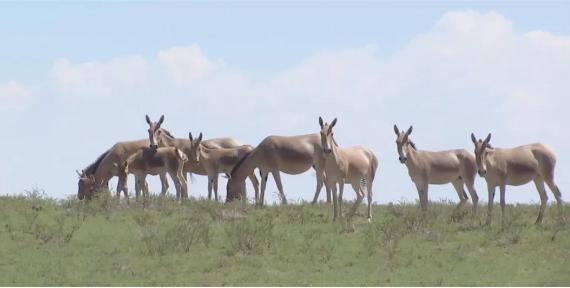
[(275, 154), (516, 166), (355, 165), (221, 160), (159, 161), (438, 167), (98, 174)]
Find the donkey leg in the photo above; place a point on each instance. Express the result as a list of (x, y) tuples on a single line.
[(554, 188), (183, 184), (422, 193), (340, 196), (359, 197), (458, 185), (277, 178), (263, 186), (164, 183), (319, 187), (491, 191), (502, 189), (332, 187), (210, 184), (369, 195), (177, 186), (543, 199), (474, 196), (255, 184), (216, 188)]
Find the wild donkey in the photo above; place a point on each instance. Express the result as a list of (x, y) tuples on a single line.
[(516, 166), (355, 165), (163, 138), (275, 154), (427, 167), (221, 160), (159, 161), (99, 173)]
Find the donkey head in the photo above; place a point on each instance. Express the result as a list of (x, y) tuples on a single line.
[(402, 139), (154, 131), (196, 147), (86, 185), (326, 135), (481, 147)]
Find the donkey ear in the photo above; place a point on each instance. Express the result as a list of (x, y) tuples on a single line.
[(333, 123), (160, 120), (396, 130), (190, 136), (148, 119), (488, 139), (473, 138), (79, 174), (321, 121), (409, 130), (199, 137)]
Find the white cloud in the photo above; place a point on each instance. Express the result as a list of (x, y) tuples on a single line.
[(186, 64), (14, 96), (115, 77)]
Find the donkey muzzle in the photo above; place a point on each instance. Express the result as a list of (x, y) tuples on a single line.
[(482, 173), (403, 159)]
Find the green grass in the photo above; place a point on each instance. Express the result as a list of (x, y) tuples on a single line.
[(160, 242)]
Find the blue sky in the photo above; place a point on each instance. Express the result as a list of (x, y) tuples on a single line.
[(77, 77)]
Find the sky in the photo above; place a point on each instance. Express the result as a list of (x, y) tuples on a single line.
[(75, 78)]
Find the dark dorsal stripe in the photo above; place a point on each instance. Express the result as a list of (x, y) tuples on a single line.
[(91, 169)]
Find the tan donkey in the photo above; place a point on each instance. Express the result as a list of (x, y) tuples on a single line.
[(353, 165), (162, 138), (438, 167), (221, 160), (99, 173), (154, 161), (289, 154), (516, 166)]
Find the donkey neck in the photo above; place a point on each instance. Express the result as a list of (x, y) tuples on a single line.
[(245, 166), (411, 153)]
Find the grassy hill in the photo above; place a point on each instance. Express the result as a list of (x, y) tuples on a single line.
[(49, 242)]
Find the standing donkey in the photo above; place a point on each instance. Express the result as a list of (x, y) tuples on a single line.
[(354, 165), (221, 160), (438, 167), (516, 166), (154, 161), (160, 137)]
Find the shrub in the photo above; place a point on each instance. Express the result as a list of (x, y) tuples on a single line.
[(250, 236)]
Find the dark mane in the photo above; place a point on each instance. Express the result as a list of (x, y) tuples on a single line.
[(168, 134), (412, 144), (334, 141), (240, 162), (92, 168)]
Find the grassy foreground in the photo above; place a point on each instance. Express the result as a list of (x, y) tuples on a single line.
[(49, 242)]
